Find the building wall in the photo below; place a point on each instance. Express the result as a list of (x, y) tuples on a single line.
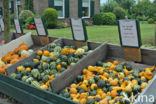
[(97, 7), (40, 6), (73, 8)]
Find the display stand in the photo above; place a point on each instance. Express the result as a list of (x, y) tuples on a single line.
[(130, 39), (41, 30)]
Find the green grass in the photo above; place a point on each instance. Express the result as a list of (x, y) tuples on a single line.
[(104, 33)]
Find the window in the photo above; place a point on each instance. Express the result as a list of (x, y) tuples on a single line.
[(86, 9), (59, 6)]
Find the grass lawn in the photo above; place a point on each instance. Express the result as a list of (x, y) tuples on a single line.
[(105, 33)]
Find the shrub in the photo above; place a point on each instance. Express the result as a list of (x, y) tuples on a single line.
[(12, 17), (109, 18), (98, 19), (24, 15), (50, 15), (139, 18), (62, 24), (30, 20), (119, 12), (104, 19), (150, 20)]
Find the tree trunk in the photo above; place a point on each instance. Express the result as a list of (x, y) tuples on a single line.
[(7, 36)]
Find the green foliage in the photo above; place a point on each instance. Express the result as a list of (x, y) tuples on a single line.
[(104, 19), (30, 20), (109, 6), (28, 5), (50, 15), (97, 19), (139, 18), (109, 19), (62, 24), (12, 17), (24, 15), (150, 20), (119, 12)]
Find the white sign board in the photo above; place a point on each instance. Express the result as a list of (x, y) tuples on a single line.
[(2, 24), (78, 30), (17, 26), (40, 26), (129, 33)]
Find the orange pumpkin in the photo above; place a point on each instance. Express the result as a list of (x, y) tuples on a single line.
[(46, 53), (59, 67), (2, 71), (39, 52), (73, 91), (115, 62), (113, 93), (13, 61), (71, 50), (28, 69)]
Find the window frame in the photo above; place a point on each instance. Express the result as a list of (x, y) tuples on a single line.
[(89, 10), (62, 8)]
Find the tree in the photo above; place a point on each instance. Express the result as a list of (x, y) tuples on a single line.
[(119, 12), (6, 21), (109, 6)]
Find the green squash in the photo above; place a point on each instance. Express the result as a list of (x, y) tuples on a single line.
[(108, 98), (136, 73), (101, 83), (85, 48), (44, 58), (105, 89), (57, 74), (24, 78), (99, 63), (128, 66), (66, 94), (96, 78), (79, 78), (24, 72), (13, 75), (52, 65), (34, 64), (93, 93), (71, 60), (38, 57), (58, 61), (35, 73), (91, 81), (119, 68), (57, 49), (39, 67), (36, 84), (90, 101), (64, 64), (46, 66), (45, 78), (136, 88), (29, 80), (111, 75), (62, 69), (53, 72), (27, 64), (47, 72), (105, 65), (64, 58), (53, 45)]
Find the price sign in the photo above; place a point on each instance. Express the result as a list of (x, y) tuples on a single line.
[(129, 32), (40, 27), (79, 30), (2, 24), (18, 27)]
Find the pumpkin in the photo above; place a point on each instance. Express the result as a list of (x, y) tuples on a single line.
[(44, 87), (65, 51), (93, 86), (39, 52), (115, 62), (28, 69), (114, 82), (143, 85), (113, 93), (73, 91), (2, 71), (46, 53), (148, 74), (79, 52), (36, 60), (13, 61), (58, 67), (20, 68)]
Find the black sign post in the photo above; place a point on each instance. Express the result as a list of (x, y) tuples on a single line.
[(130, 39), (79, 31)]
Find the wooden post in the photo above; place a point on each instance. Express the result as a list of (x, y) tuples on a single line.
[(80, 44), (132, 54), (44, 40)]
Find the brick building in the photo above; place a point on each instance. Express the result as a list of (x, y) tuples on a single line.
[(65, 8)]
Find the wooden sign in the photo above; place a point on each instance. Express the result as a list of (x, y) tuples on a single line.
[(130, 39), (40, 27), (129, 32), (2, 24), (18, 26), (78, 30)]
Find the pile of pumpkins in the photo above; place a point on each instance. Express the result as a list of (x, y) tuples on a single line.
[(14, 56), (108, 83), (48, 64)]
